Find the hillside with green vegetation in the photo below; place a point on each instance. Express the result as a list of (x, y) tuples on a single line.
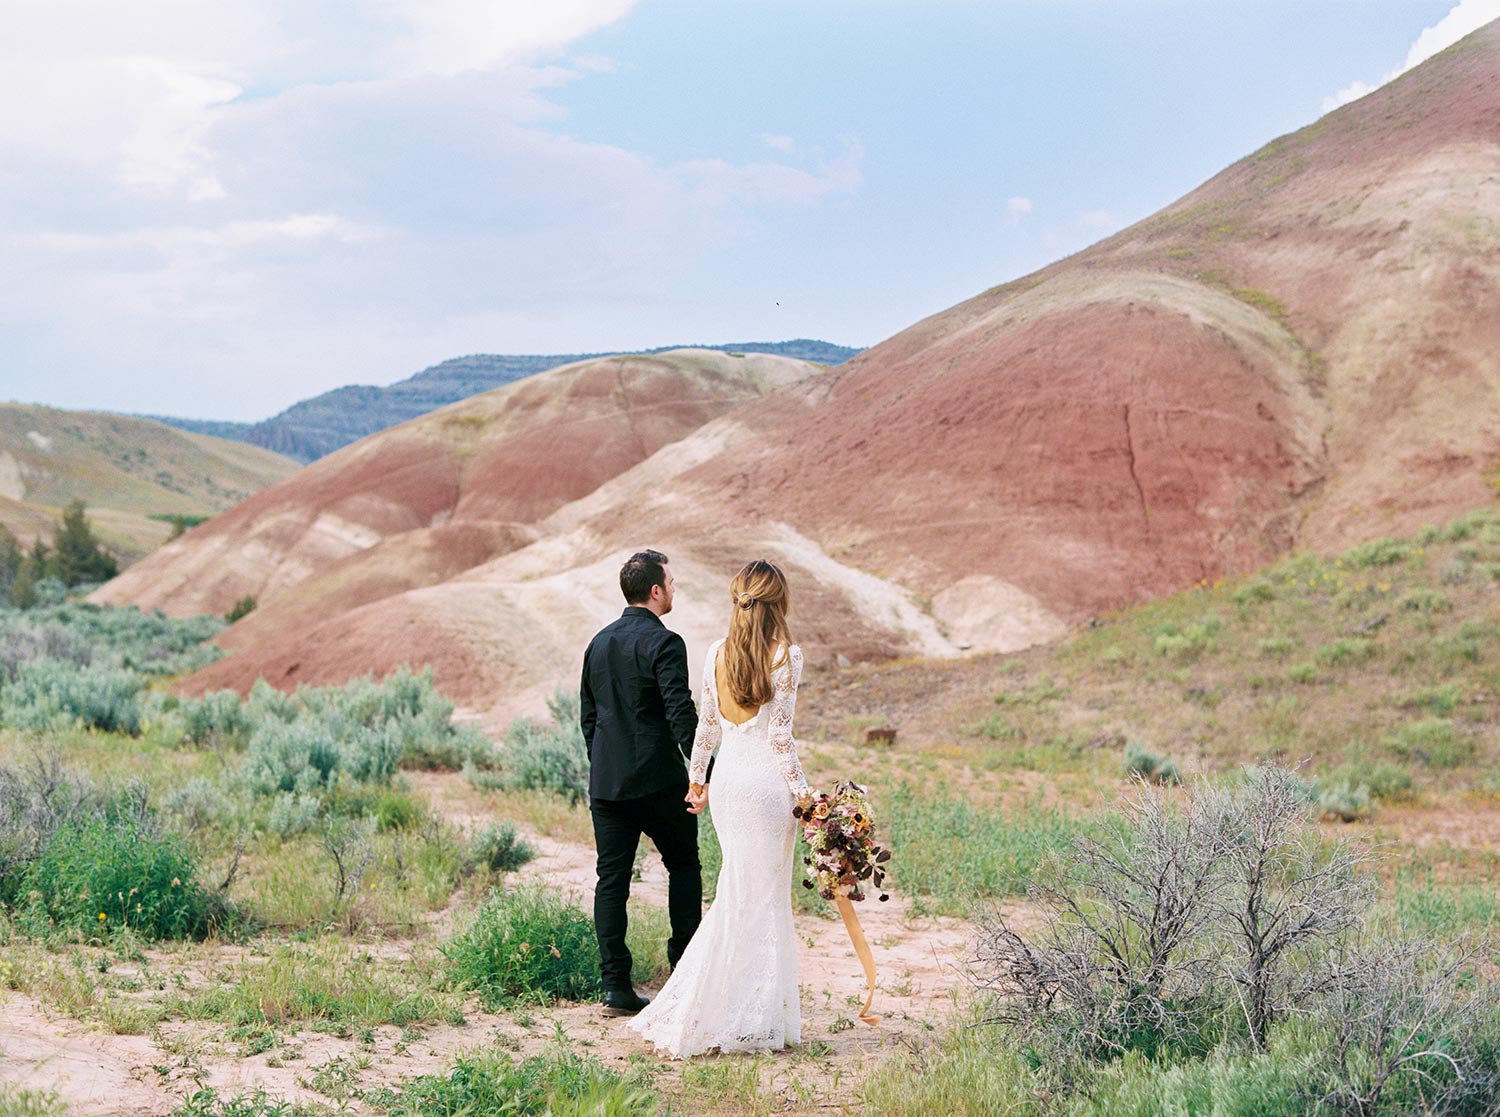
[(1229, 852), (134, 476), (314, 427), (1376, 671)]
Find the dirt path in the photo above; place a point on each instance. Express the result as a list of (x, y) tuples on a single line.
[(99, 1074)]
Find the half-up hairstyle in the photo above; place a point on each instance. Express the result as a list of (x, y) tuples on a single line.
[(757, 632)]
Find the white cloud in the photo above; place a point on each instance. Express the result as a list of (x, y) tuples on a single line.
[(783, 144), (202, 200), (1017, 207), (1466, 17), (1351, 92), (718, 182), (451, 36)]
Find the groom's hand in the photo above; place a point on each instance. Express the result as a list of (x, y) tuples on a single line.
[(696, 798)]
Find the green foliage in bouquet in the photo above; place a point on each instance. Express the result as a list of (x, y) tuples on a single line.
[(842, 852)]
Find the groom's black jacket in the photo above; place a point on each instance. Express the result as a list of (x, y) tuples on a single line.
[(636, 708)]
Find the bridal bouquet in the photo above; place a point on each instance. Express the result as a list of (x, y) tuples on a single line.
[(841, 837)]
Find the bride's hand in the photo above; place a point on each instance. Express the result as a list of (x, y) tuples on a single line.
[(696, 798)]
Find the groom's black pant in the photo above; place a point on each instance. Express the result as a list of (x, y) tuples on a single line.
[(618, 825)]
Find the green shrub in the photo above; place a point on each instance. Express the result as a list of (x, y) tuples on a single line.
[(1459, 649), (1303, 673), (1435, 742), (34, 802), (527, 943), (1256, 591), (309, 755), (1141, 761), (549, 755), (49, 693), (1441, 700), (1189, 642), (1378, 552), (1349, 650), (266, 703), (216, 716), (1386, 781), (1275, 647), (293, 813), (558, 1084), (152, 643), (1345, 801), (241, 608), (405, 707), (201, 803), (499, 849), (399, 810), (115, 872), (1425, 601), (23, 640), (997, 727)]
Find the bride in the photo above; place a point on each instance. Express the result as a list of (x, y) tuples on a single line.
[(735, 987)]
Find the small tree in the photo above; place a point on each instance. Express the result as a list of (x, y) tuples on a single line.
[(23, 587), (1286, 895), (77, 556), (12, 558), (1123, 961), (1397, 1009), (241, 608)]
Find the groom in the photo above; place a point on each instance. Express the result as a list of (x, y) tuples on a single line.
[(638, 722)]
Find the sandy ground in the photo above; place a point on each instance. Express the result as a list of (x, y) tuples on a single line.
[(97, 1073)]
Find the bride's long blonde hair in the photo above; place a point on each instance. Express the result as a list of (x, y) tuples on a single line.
[(757, 632)]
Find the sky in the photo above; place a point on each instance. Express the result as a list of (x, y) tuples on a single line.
[(215, 208)]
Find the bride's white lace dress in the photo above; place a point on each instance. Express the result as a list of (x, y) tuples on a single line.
[(735, 987)]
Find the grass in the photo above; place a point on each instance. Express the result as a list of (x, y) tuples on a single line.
[(559, 1084), (18, 1102), (950, 851), (328, 984), (207, 1102), (1301, 659), (527, 944)]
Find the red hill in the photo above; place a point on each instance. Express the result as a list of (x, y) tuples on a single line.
[(1302, 352)]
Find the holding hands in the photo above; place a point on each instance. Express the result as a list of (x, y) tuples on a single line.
[(696, 798)]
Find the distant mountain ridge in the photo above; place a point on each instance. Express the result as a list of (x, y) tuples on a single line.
[(315, 427)]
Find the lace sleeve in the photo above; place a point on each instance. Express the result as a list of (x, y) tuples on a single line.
[(783, 703), (710, 732)]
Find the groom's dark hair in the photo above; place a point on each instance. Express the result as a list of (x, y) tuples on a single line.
[(641, 571)]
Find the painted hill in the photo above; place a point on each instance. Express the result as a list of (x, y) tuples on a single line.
[(1300, 353), (314, 427), (441, 493), (132, 474), (1303, 352)]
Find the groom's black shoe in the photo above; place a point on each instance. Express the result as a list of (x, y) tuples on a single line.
[(623, 1002)]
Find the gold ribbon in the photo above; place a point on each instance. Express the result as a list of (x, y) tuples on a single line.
[(862, 948)]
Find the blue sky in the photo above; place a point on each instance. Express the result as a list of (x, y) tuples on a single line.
[(214, 208)]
